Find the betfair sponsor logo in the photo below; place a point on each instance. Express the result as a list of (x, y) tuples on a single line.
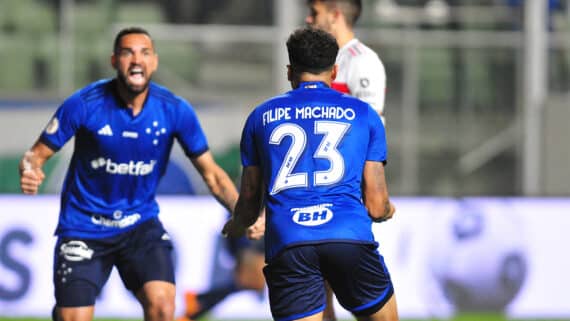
[(132, 168)]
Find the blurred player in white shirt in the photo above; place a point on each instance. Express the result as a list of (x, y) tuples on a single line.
[(360, 70)]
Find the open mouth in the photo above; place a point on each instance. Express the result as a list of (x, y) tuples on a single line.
[(136, 76)]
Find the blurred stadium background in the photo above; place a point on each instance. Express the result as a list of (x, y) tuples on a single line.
[(478, 100)]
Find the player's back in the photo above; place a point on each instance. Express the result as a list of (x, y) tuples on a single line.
[(312, 144)]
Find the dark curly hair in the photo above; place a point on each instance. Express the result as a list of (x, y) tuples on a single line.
[(311, 50)]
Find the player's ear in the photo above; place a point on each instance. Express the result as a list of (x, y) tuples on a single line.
[(114, 60), (334, 72), (289, 73), (155, 63), (336, 14)]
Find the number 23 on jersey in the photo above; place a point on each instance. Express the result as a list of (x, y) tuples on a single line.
[(333, 133)]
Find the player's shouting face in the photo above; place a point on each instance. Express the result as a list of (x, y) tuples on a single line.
[(135, 61)]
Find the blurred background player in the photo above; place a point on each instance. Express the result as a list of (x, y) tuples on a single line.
[(124, 129), (360, 71), (295, 150), (249, 255)]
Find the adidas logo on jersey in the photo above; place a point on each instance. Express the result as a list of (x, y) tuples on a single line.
[(105, 131), (131, 168)]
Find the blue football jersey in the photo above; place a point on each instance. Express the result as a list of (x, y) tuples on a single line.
[(118, 158), (311, 145)]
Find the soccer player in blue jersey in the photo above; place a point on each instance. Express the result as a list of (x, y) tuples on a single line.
[(124, 129), (315, 159)]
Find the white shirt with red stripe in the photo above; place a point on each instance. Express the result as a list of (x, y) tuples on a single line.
[(361, 74)]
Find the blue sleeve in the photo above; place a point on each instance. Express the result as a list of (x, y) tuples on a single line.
[(248, 148), (377, 146), (188, 130), (68, 118)]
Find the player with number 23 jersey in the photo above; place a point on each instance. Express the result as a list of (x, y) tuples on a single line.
[(314, 185)]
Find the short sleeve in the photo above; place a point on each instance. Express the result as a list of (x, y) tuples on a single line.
[(189, 132), (67, 119), (248, 147), (378, 147)]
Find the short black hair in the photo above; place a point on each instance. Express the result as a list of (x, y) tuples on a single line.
[(128, 31), (311, 50), (350, 8)]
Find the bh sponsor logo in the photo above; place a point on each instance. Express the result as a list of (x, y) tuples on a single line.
[(312, 215), (133, 168)]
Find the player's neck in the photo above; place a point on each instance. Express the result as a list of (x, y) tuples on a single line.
[(343, 37), (322, 77), (133, 101)]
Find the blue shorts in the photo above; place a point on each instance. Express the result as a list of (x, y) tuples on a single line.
[(356, 273), (82, 266)]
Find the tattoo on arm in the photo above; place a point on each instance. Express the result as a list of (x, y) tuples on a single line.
[(387, 208)]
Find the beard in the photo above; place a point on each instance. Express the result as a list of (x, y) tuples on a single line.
[(132, 89), (324, 26)]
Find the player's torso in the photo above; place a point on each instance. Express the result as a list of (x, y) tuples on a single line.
[(118, 157), (314, 146), (113, 144), (117, 163)]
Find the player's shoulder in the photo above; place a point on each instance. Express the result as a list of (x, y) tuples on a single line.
[(166, 100), (165, 95), (358, 51), (88, 97), (279, 100), (94, 92), (349, 100)]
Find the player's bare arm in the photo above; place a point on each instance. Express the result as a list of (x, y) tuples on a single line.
[(31, 173), (257, 230), (217, 180), (248, 207), (375, 192)]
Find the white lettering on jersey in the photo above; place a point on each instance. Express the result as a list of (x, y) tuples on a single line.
[(312, 215), (122, 223), (333, 133), (76, 251), (308, 112), (131, 168), (128, 134), (276, 114), (327, 112)]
